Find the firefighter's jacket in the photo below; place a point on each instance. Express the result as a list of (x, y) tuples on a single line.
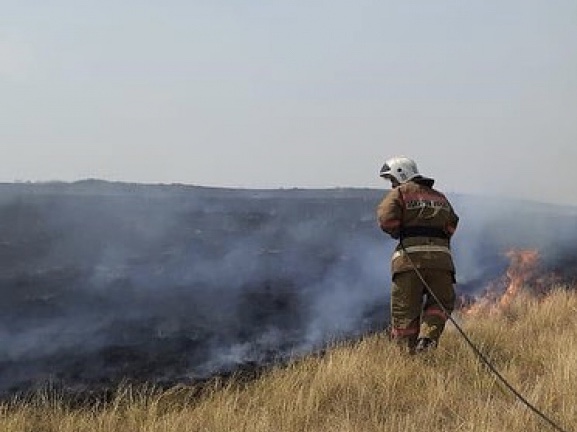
[(424, 220)]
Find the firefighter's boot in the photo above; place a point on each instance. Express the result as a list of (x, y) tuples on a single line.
[(425, 344), (406, 344)]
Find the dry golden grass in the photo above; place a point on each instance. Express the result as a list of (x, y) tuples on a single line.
[(364, 386)]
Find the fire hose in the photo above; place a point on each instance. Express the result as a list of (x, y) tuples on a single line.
[(476, 350)]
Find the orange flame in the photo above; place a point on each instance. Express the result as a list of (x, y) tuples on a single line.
[(523, 264), (522, 268)]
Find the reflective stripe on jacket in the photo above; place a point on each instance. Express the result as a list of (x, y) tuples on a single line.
[(421, 248)]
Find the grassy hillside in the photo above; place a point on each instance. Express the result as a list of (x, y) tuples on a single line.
[(364, 386)]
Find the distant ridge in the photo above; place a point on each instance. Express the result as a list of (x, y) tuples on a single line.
[(93, 186), (98, 187)]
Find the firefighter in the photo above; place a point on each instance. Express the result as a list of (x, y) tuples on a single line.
[(423, 220)]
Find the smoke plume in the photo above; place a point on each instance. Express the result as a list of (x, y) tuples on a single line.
[(104, 282)]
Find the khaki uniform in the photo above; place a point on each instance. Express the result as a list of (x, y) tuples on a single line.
[(424, 220)]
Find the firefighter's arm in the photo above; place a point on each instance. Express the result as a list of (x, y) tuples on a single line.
[(389, 213), (453, 222)]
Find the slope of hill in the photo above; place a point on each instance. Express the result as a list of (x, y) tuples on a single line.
[(363, 386), (103, 282)]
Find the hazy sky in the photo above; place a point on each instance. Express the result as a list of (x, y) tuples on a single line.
[(268, 94)]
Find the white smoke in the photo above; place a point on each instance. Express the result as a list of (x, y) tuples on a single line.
[(102, 281)]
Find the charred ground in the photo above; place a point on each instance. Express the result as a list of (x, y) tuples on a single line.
[(104, 282)]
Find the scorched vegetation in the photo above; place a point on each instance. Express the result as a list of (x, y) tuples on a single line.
[(361, 386)]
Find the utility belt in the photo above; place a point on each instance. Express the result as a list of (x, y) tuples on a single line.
[(421, 248), (423, 231)]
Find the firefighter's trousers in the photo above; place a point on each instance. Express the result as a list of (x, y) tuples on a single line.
[(414, 312)]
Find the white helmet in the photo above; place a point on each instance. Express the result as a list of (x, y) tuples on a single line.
[(400, 168)]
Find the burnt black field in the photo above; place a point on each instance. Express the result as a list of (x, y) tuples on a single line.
[(106, 282)]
